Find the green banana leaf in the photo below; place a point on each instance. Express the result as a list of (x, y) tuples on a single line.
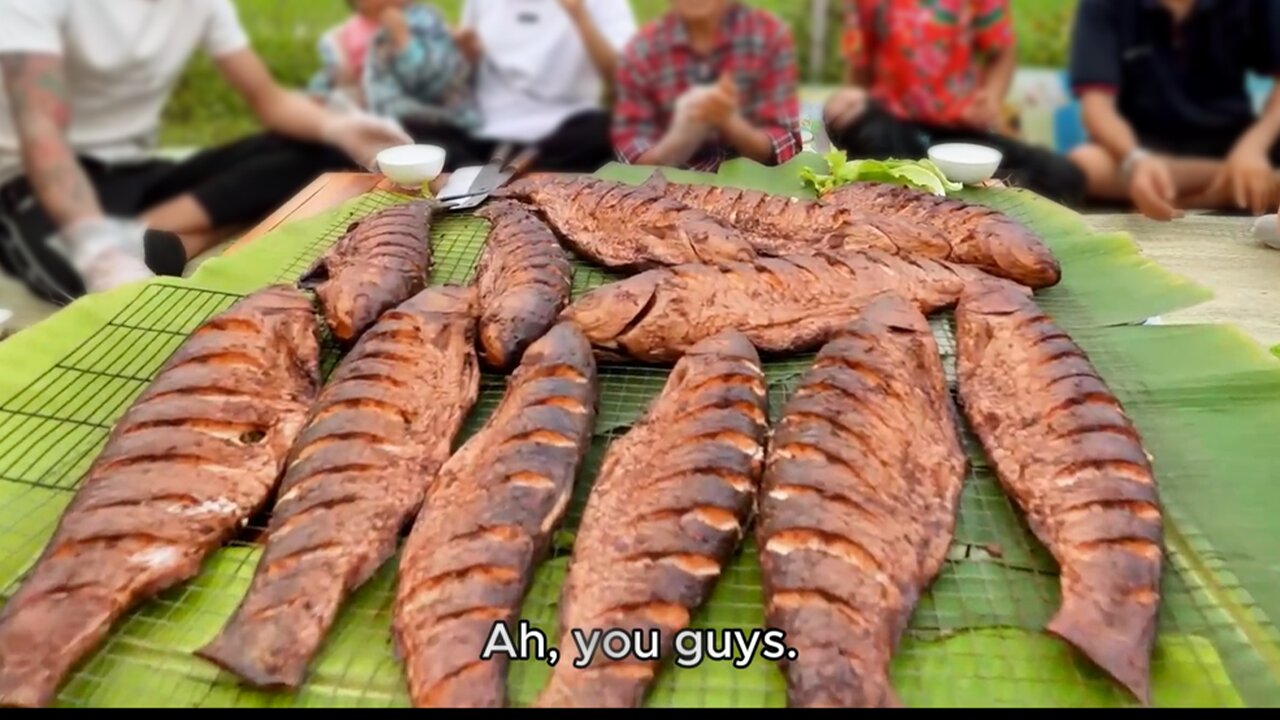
[(1206, 399)]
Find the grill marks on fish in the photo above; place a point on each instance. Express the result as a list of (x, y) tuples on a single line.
[(382, 261), (164, 493), (781, 304), (524, 281), (783, 225), (356, 478), (1064, 449), (978, 235), (851, 532), (487, 521), (626, 227), (666, 513)]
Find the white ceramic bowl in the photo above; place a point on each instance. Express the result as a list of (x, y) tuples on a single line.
[(966, 163), (411, 165)]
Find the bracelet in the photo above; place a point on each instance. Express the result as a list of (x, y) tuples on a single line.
[(1126, 167)]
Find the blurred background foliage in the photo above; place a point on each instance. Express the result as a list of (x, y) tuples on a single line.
[(204, 111)]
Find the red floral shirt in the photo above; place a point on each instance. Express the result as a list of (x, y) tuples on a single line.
[(922, 56), (660, 65)]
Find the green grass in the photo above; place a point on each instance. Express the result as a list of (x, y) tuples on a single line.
[(204, 111)]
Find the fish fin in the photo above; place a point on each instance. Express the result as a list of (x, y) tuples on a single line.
[(1121, 649)]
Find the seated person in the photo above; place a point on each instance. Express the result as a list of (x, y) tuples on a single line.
[(84, 84), (922, 73), (396, 59), (709, 81), (1162, 88), (544, 70)]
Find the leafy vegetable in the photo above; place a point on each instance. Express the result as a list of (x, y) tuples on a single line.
[(921, 174), (1276, 351)]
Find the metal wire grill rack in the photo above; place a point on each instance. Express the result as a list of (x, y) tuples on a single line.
[(974, 639)]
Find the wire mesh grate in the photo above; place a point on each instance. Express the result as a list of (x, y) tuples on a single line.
[(975, 638)]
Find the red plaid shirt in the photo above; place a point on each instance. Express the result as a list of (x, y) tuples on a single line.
[(659, 65)]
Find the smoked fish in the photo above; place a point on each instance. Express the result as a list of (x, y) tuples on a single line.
[(524, 280), (1065, 450), (782, 304), (668, 510), (383, 260), (858, 505), (375, 439), (488, 520), (625, 227), (780, 225), (192, 459), (979, 235)]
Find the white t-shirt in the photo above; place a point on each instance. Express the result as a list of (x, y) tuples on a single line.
[(536, 72), (121, 58)]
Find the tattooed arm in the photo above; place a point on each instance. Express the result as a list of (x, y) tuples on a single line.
[(37, 96)]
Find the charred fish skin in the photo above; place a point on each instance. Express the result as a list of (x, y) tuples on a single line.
[(858, 505), (783, 225), (782, 305), (667, 512), (981, 236), (626, 227), (382, 261), (1068, 454), (488, 520), (524, 279), (193, 458), (376, 437)]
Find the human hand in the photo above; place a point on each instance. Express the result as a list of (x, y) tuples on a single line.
[(983, 112), (362, 136), (1249, 179), (845, 106), (468, 43), (719, 104), (1152, 189)]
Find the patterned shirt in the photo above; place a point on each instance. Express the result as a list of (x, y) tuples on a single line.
[(660, 64), (921, 56), (429, 79)]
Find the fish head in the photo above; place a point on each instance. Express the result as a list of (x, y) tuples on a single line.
[(607, 314), (713, 242), (1028, 260)]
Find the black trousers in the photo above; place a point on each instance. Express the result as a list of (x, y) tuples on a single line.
[(236, 184), (580, 145), (880, 135)]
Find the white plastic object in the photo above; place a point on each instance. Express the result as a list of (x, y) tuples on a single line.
[(965, 162), (1267, 230), (409, 166)]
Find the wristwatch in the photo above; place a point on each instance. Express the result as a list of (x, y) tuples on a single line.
[(1126, 166)]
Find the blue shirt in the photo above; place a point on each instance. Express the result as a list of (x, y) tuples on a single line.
[(1174, 81)]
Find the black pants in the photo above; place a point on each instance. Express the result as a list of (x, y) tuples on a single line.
[(236, 184), (581, 144), (878, 134)]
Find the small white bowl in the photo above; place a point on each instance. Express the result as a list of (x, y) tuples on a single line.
[(966, 163), (410, 166)]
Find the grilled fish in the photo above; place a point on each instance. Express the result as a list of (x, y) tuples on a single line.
[(382, 261), (628, 227), (376, 437), (524, 280), (781, 225), (781, 304), (667, 511), (858, 504), (487, 521), (979, 235), (1064, 449), (196, 455)]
